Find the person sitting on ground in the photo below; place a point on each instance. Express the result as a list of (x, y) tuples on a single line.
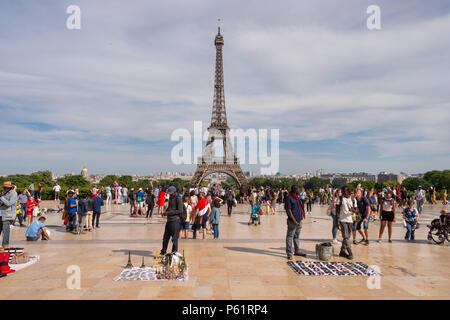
[(37, 230)]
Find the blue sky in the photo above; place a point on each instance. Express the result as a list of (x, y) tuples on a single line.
[(109, 95)]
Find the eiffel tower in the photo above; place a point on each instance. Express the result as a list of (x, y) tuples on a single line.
[(219, 130)]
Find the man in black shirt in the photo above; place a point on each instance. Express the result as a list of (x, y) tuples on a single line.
[(175, 213)]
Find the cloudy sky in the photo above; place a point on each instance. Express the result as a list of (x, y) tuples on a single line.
[(109, 95)]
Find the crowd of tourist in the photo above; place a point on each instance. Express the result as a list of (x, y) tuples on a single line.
[(199, 209)]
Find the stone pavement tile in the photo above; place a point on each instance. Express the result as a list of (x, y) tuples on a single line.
[(246, 291), (55, 294), (176, 293), (278, 280), (148, 292), (319, 291), (203, 292)]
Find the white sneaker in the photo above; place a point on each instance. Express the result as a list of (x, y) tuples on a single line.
[(335, 241)]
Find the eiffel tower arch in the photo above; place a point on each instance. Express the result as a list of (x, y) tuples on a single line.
[(219, 131)]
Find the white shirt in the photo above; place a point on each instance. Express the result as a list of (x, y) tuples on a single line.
[(346, 210), (57, 188)]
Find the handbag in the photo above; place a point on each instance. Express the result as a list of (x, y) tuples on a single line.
[(198, 220), (234, 202), (35, 211)]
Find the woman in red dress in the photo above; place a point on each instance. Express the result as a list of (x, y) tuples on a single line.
[(161, 199)]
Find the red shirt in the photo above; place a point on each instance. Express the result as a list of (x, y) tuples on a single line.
[(30, 206)]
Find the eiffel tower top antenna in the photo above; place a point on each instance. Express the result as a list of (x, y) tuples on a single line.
[(218, 25)]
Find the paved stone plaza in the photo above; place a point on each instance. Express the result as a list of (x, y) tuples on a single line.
[(247, 262)]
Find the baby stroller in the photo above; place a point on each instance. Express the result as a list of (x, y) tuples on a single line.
[(255, 215)]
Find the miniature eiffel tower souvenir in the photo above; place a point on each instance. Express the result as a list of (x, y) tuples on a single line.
[(129, 264)]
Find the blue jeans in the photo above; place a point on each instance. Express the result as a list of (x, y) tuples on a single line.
[(334, 230), (216, 230), (5, 229), (410, 230), (72, 221)]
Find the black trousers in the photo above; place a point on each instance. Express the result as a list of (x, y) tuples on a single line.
[(172, 229), (150, 210), (230, 206), (95, 218), (308, 206)]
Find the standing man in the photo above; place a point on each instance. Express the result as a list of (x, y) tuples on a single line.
[(419, 194), (31, 189), (295, 213), (363, 205), (229, 196), (125, 195), (151, 201), (98, 203), (57, 189), (72, 211), (8, 203), (23, 198), (175, 214)]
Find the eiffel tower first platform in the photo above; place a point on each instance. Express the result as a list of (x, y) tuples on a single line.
[(219, 131)]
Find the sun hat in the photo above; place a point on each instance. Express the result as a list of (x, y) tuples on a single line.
[(443, 211), (171, 190), (7, 184), (140, 189)]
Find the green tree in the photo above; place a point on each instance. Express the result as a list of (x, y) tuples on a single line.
[(73, 181), (109, 180), (315, 183), (125, 180), (412, 183)]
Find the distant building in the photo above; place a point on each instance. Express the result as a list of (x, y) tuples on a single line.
[(84, 172), (385, 177)]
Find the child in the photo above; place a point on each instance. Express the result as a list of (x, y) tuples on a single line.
[(82, 213), (184, 225), (215, 217), (411, 216), (31, 204), (37, 229)]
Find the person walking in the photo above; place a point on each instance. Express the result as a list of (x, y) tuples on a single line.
[(230, 198), (8, 203), (132, 200), (411, 217), (345, 213), (97, 210), (57, 190), (175, 214), (215, 217), (388, 207), (444, 196), (296, 214), (419, 195)]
